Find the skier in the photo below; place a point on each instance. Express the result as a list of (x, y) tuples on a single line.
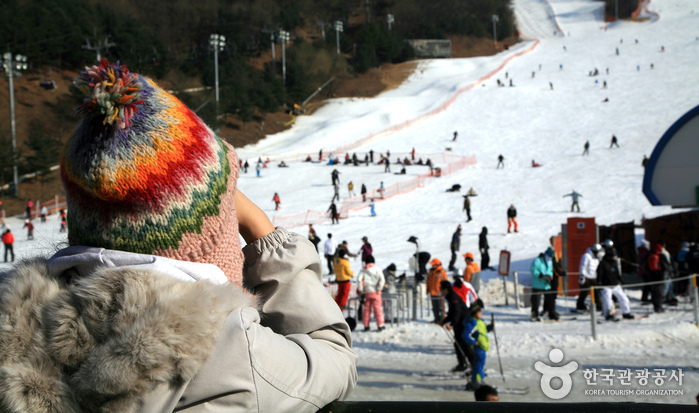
[(28, 209), (472, 271), (434, 278), (483, 247), (29, 225), (350, 189), (454, 246), (587, 148), (365, 250), (277, 201), (64, 222), (335, 176), (575, 197), (614, 142), (476, 335), (370, 282), (609, 277), (467, 207), (656, 270), (501, 162), (8, 241), (412, 154), (333, 213), (44, 213), (511, 218), (336, 188), (320, 155), (246, 165), (371, 155), (465, 290), (363, 192), (258, 169), (588, 277), (455, 135), (454, 320), (329, 251), (386, 163), (372, 205), (343, 275), (312, 236), (542, 273)]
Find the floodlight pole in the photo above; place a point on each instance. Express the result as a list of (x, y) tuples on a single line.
[(217, 42), (389, 20), (338, 30), (12, 70), (283, 38), (495, 19), (616, 10)]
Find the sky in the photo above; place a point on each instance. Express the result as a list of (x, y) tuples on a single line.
[(552, 108)]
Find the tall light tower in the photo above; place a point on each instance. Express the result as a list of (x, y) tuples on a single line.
[(12, 70), (390, 20), (338, 30), (218, 43), (284, 39), (495, 19)]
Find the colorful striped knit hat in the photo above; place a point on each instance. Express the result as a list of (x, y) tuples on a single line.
[(144, 174)]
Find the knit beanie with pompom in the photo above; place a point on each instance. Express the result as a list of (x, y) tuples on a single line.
[(144, 174)]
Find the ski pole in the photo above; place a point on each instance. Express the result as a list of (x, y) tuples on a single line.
[(453, 341), (497, 347)]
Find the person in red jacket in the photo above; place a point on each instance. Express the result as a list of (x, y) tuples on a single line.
[(656, 272), (276, 200), (8, 239), (29, 225)]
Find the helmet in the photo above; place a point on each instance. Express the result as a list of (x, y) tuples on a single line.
[(596, 248), (608, 243)]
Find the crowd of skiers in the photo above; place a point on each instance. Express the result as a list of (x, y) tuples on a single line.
[(8, 238)]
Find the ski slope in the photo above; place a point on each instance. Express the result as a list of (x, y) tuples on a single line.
[(552, 109)]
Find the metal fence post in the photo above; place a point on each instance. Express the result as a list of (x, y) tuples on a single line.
[(695, 299), (414, 289), (516, 289), (504, 288), (593, 313)]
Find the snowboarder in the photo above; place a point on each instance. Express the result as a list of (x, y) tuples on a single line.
[(372, 205), (614, 142), (333, 213), (454, 247), (501, 162), (277, 201), (467, 207), (29, 225), (370, 282), (484, 247), (434, 278), (343, 275), (609, 277), (588, 277), (454, 320), (8, 241), (455, 135), (329, 251), (575, 197), (363, 192), (587, 148), (350, 189), (511, 218), (365, 250), (312, 236)]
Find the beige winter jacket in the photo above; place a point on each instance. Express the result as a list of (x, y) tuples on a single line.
[(99, 330)]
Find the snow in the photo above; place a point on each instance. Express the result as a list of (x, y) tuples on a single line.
[(524, 122)]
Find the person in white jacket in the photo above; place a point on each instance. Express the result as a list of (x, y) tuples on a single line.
[(154, 306), (370, 283), (588, 277), (329, 248)]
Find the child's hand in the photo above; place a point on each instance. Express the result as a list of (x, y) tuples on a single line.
[(253, 223)]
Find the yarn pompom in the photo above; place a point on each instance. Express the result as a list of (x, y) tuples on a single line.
[(110, 91)]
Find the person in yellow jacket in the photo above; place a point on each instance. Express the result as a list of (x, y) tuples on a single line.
[(343, 275), (434, 278)]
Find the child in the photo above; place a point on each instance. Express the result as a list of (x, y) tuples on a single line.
[(476, 335), (371, 281), (30, 228)]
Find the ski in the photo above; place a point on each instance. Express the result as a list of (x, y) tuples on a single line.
[(512, 390)]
